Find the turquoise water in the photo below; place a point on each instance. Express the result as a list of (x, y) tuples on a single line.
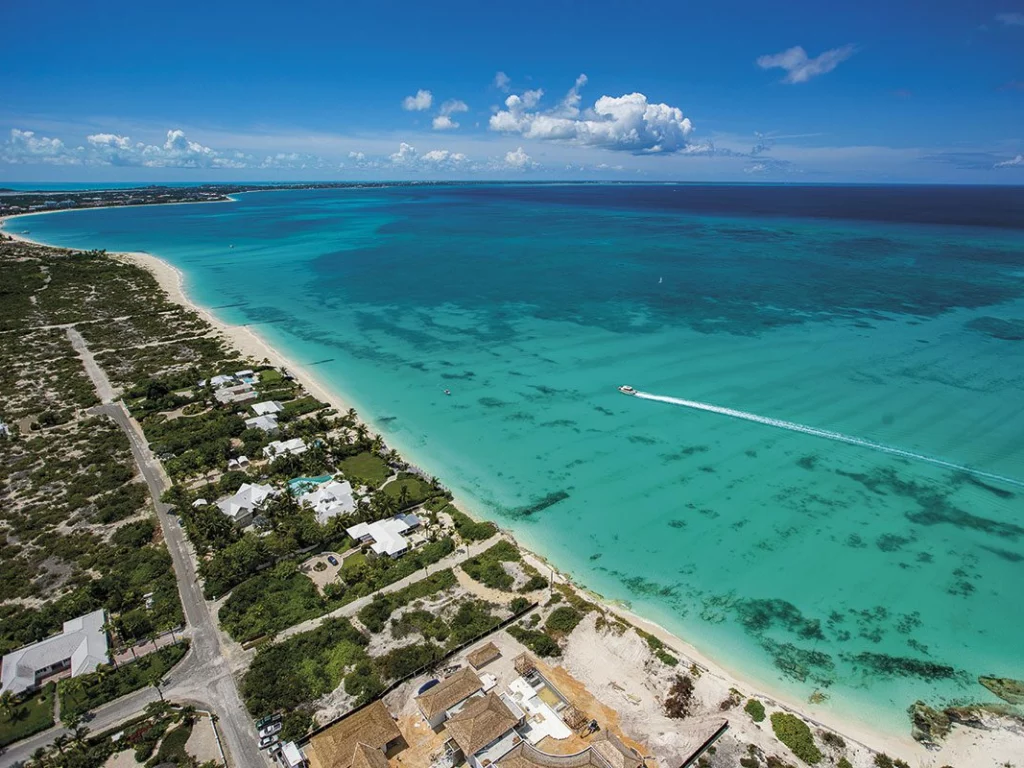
[(800, 561)]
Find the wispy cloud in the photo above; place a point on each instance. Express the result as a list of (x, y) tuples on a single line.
[(1015, 19), (1013, 162), (502, 81), (800, 67)]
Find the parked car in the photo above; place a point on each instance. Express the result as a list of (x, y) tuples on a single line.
[(270, 730), (332, 560), (267, 741)]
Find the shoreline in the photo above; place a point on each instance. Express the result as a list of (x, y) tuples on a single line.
[(249, 343)]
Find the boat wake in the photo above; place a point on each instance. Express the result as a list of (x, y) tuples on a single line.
[(827, 434)]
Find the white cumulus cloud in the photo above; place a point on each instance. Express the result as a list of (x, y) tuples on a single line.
[(421, 101), (26, 147), (518, 159), (1013, 161), (800, 67), (435, 159), (629, 122), (443, 121)]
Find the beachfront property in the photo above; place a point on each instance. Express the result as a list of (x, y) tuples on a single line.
[(606, 750), (223, 380), (295, 446), (359, 741), (266, 422), (267, 408), (80, 648), (245, 502), (442, 701), (330, 500), (386, 537), (235, 394)]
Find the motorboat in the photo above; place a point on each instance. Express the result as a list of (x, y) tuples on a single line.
[(627, 390)]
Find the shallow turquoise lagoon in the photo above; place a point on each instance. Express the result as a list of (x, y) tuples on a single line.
[(805, 563)]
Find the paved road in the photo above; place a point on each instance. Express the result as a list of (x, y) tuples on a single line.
[(206, 680), (99, 378)]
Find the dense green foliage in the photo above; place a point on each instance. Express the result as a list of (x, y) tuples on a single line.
[(172, 747), (375, 615), (285, 676), (540, 643), (755, 709), (563, 620), (27, 715), (794, 733), (80, 694), (469, 529), (487, 566), (269, 602)]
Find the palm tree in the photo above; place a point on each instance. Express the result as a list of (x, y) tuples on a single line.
[(79, 733), (188, 714), (7, 704), (39, 757), (156, 684), (60, 742)]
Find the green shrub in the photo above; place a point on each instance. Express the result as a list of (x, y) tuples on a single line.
[(844, 763), (666, 658), (540, 643), (563, 620), (755, 709), (794, 733), (469, 529), (518, 605)]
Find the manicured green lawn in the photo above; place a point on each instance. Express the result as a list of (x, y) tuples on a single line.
[(365, 467), (97, 689), (416, 490), (33, 715), (355, 560)]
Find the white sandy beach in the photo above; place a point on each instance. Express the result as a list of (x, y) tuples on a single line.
[(963, 748)]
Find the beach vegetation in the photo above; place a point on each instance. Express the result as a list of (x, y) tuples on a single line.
[(795, 734), (666, 658), (375, 614), (755, 709), (843, 762), (488, 568), (287, 675), (470, 530), (538, 642), (832, 739), (269, 602), (563, 620), (679, 701)]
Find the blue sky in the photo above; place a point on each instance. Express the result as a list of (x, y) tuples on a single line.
[(797, 91)]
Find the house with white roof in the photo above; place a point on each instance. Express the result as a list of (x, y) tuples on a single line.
[(268, 423), (224, 380), (236, 394), (81, 647), (330, 500), (267, 408), (242, 505), (386, 537), (295, 446)]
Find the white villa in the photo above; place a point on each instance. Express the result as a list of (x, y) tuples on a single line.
[(249, 498), (81, 647), (266, 422), (386, 537), (236, 394), (267, 408), (330, 500), (295, 446)]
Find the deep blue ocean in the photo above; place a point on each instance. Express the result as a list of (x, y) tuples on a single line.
[(892, 314)]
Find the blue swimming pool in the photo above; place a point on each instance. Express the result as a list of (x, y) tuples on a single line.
[(301, 484)]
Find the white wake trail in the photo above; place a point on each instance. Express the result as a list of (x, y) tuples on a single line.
[(825, 433)]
